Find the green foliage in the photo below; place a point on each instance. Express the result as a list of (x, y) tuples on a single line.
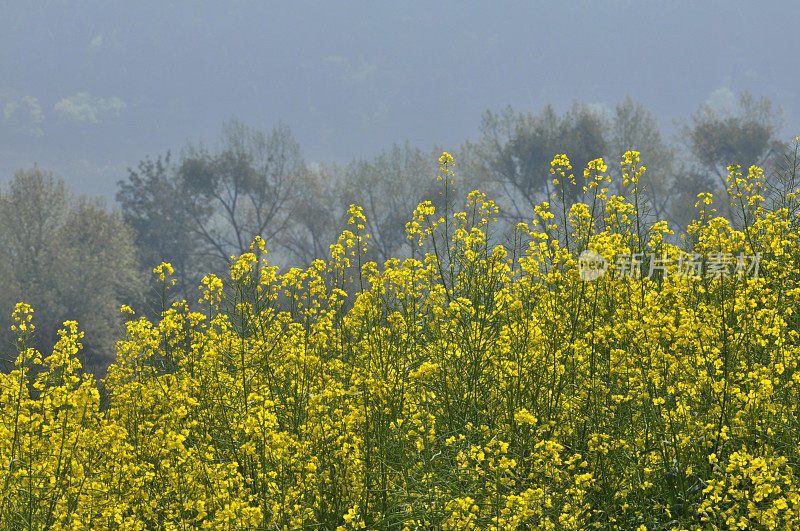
[(69, 256), (463, 388)]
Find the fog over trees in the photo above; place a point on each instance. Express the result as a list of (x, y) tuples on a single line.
[(132, 135), (89, 88)]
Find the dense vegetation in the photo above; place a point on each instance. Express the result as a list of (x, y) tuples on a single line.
[(468, 384), (200, 208)]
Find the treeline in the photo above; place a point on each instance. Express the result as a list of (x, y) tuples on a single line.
[(73, 257)]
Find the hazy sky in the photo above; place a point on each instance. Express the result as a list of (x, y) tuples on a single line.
[(88, 88)]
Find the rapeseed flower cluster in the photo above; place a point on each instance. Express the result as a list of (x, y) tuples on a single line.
[(471, 386)]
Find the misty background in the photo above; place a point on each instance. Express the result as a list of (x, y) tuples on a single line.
[(136, 133), (89, 88)]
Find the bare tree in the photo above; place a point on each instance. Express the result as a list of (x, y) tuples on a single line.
[(745, 134), (389, 187), (635, 128), (317, 217), (247, 187), (517, 149)]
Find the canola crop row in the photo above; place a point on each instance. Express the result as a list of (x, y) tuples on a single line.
[(468, 385)]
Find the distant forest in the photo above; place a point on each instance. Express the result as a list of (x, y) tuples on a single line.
[(77, 258)]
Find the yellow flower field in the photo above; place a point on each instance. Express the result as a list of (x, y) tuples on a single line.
[(472, 384)]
